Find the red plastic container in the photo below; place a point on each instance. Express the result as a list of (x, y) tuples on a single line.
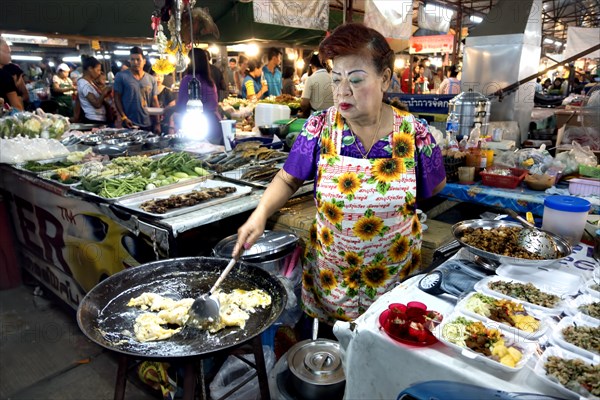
[(488, 178)]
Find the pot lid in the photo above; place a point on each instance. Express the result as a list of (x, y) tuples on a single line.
[(317, 362), (270, 245), (469, 97)]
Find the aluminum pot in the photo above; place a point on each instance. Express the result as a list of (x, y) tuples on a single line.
[(471, 107), (271, 251), (316, 369)]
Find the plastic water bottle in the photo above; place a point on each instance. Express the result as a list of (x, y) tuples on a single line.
[(452, 126), (474, 136)]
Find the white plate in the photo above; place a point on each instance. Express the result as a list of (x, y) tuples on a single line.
[(559, 282), (461, 307), (558, 338), (540, 370), (526, 348), (482, 286), (572, 306)]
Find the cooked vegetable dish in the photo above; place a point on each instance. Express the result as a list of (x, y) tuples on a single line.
[(502, 241), (592, 309), (526, 292), (586, 337), (574, 374), (504, 311)]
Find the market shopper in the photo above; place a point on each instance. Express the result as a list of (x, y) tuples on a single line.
[(62, 90), (370, 163), (289, 87), (18, 77), (208, 96), (450, 85), (253, 87), (92, 98), (135, 90), (317, 94), (272, 72), (8, 88), (240, 74)]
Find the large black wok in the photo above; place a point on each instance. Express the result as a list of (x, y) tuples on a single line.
[(105, 318)]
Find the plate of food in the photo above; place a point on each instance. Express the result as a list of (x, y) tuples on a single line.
[(579, 336), (485, 343), (536, 298), (587, 305), (411, 323), (592, 287), (569, 372), (510, 314)]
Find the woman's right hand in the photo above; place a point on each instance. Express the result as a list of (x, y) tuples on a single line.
[(249, 233)]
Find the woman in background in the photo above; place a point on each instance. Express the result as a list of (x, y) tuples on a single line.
[(253, 88), (91, 97), (288, 86)]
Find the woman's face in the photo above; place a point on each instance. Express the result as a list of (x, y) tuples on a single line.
[(63, 74), (95, 71), (256, 72), (357, 87), (159, 79)]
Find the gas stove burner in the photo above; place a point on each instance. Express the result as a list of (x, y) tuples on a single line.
[(454, 277)]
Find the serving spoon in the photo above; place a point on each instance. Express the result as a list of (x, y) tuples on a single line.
[(205, 309), (534, 240)]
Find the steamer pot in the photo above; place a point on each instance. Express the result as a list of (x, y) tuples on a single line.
[(471, 107), (316, 369)]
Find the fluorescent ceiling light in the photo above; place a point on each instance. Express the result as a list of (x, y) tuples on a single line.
[(71, 59), (20, 57), (475, 19), (121, 52), (20, 38)]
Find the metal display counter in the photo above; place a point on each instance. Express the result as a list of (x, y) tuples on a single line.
[(70, 242)]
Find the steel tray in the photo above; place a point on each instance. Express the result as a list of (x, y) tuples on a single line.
[(133, 202), (235, 175), (564, 248)]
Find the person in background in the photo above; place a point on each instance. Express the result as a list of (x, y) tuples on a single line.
[(8, 87), (217, 77), (62, 90), (231, 76), (317, 94), (538, 85), (135, 91), (208, 95), (451, 85), (438, 78), (546, 85), (271, 72), (18, 76), (395, 86), (240, 74), (556, 88), (75, 74), (166, 100), (289, 87), (253, 88), (90, 96), (366, 237)]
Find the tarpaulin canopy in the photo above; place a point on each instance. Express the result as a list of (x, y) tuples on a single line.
[(131, 19)]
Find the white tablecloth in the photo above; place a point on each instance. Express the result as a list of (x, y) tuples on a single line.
[(377, 367)]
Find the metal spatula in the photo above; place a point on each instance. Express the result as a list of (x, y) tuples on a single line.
[(534, 240), (205, 309)]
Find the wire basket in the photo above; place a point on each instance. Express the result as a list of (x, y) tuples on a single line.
[(489, 178), (451, 165)]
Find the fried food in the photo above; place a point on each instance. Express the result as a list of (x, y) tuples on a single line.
[(502, 241), (235, 310)]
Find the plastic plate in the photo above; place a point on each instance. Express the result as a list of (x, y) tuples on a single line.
[(572, 307), (558, 338), (404, 339)]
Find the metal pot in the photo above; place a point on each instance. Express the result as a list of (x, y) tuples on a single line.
[(270, 252), (471, 107), (316, 369)]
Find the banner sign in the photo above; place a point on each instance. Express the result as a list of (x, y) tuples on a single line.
[(306, 14), (424, 103), (431, 44)]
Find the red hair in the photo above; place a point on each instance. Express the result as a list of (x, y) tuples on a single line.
[(355, 39)]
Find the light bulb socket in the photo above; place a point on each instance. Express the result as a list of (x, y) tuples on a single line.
[(194, 89)]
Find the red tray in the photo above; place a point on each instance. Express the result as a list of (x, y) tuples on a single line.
[(501, 181)]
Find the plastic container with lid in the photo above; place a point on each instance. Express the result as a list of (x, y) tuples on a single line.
[(565, 216)]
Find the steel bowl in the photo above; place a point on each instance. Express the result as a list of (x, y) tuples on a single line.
[(563, 247), (274, 130)]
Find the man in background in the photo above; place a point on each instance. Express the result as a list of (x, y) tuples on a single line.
[(8, 87), (272, 72), (451, 85), (135, 91), (318, 93)]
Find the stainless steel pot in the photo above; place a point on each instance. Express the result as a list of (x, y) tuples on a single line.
[(316, 369), (471, 107), (270, 252)]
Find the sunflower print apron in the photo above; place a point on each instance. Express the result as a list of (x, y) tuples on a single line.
[(366, 236)]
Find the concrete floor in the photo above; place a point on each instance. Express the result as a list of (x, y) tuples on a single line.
[(44, 355)]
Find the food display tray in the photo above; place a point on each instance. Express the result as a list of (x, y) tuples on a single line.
[(48, 174), (134, 201), (482, 286), (572, 307), (235, 175), (558, 338), (544, 325), (526, 347)]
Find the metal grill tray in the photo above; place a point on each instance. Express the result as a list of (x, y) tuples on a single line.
[(235, 175), (133, 202)]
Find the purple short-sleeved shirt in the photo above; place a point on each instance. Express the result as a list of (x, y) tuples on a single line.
[(304, 156)]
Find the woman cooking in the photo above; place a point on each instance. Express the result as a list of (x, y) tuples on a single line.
[(370, 163)]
